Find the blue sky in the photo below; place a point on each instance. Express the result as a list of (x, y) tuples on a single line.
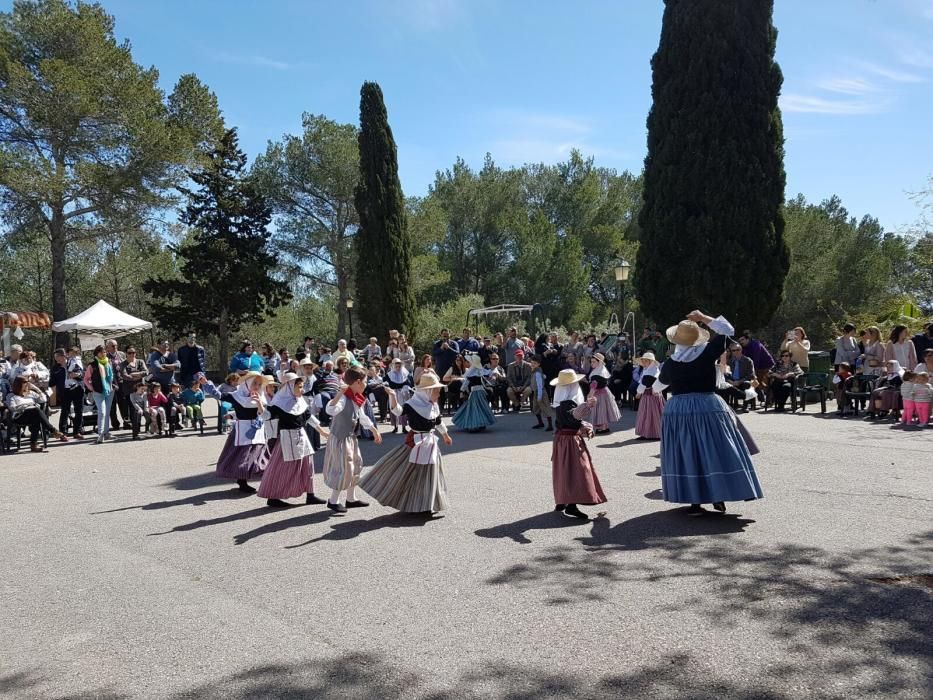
[(528, 81)]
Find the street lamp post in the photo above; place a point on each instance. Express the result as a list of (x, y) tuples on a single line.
[(350, 314), (621, 272)]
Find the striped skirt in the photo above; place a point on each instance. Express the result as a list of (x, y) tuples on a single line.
[(704, 458), (283, 479), (241, 462), (605, 411), (650, 409), (342, 463), (396, 482)]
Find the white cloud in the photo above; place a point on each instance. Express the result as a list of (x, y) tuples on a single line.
[(256, 60), (427, 15), (848, 86), (892, 74), (820, 105), (916, 57)]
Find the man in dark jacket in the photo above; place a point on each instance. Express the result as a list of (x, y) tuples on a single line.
[(923, 342), (191, 358)]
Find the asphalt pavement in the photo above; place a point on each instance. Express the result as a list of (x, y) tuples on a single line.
[(129, 571)]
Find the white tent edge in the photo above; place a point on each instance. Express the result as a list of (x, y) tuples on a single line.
[(103, 319)]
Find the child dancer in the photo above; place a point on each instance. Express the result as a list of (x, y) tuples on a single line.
[(606, 411), (540, 401), (342, 459), (575, 480), (245, 454), (290, 471), (474, 415), (650, 401), (410, 477)]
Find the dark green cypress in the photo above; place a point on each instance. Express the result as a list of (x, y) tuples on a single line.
[(712, 223), (383, 245)]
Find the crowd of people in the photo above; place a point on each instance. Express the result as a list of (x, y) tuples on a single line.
[(479, 377)]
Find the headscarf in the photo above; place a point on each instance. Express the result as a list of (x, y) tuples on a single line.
[(568, 392), (423, 405), (894, 368), (398, 376), (242, 394), (600, 369), (286, 400)]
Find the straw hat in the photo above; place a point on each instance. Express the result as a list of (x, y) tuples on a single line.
[(687, 333), (305, 361), (599, 356), (648, 357), (290, 377), (264, 378), (567, 376), (429, 380)]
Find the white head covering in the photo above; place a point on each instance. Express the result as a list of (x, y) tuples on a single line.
[(894, 367), (600, 369), (568, 392), (285, 397), (398, 376)]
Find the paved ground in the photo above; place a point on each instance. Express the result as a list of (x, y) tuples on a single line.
[(129, 571)]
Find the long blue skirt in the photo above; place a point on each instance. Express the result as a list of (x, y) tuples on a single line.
[(475, 413), (704, 458)]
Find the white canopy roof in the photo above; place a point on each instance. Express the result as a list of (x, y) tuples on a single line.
[(103, 319)]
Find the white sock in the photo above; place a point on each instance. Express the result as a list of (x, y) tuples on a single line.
[(351, 493), (334, 497)]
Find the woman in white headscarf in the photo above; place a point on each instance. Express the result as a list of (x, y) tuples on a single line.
[(410, 478), (574, 478), (704, 456), (650, 398), (475, 414), (606, 411), (290, 471), (886, 398)]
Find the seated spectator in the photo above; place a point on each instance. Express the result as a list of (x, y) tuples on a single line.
[(426, 365), (453, 379), (843, 372), (753, 349), (518, 379), (341, 366), (343, 352), (372, 351), (621, 377), (781, 379), (307, 370), (886, 398), (193, 397), (176, 409), (247, 360), (926, 362), (376, 388), (740, 376), (158, 407), (406, 354), (27, 409), (923, 341), (495, 383), (139, 406), (32, 371)]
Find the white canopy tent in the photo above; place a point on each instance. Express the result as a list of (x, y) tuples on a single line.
[(100, 321)]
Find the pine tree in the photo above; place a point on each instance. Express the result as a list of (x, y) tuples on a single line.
[(712, 224), (383, 245), (225, 264)]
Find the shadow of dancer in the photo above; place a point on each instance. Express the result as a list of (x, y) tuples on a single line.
[(516, 531), (348, 529), (198, 524), (319, 516), (661, 529), (198, 500)]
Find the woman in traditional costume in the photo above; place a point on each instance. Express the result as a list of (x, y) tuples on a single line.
[(606, 411), (650, 399), (410, 477), (704, 456), (575, 479), (475, 414), (245, 454), (290, 471)]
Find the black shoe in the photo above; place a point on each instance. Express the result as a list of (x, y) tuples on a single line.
[(539, 425), (337, 507), (549, 429), (559, 507), (720, 506), (276, 503), (312, 500), (357, 504), (576, 512), (695, 509), (245, 487)]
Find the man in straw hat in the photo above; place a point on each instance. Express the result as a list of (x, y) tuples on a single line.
[(704, 455), (574, 478), (410, 478)]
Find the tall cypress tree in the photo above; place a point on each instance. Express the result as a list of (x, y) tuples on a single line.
[(712, 224), (383, 278)]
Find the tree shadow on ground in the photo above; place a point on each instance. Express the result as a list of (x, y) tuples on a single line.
[(364, 676), (30, 684), (350, 529), (842, 632), (516, 531)]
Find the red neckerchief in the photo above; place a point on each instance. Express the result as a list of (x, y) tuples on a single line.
[(358, 399)]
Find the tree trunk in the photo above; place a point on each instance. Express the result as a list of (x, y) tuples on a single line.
[(57, 246), (343, 294), (223, 348)]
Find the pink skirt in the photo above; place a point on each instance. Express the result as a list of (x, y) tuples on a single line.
[(283, 479), (575, 480), (648, 423), (605, 411)]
